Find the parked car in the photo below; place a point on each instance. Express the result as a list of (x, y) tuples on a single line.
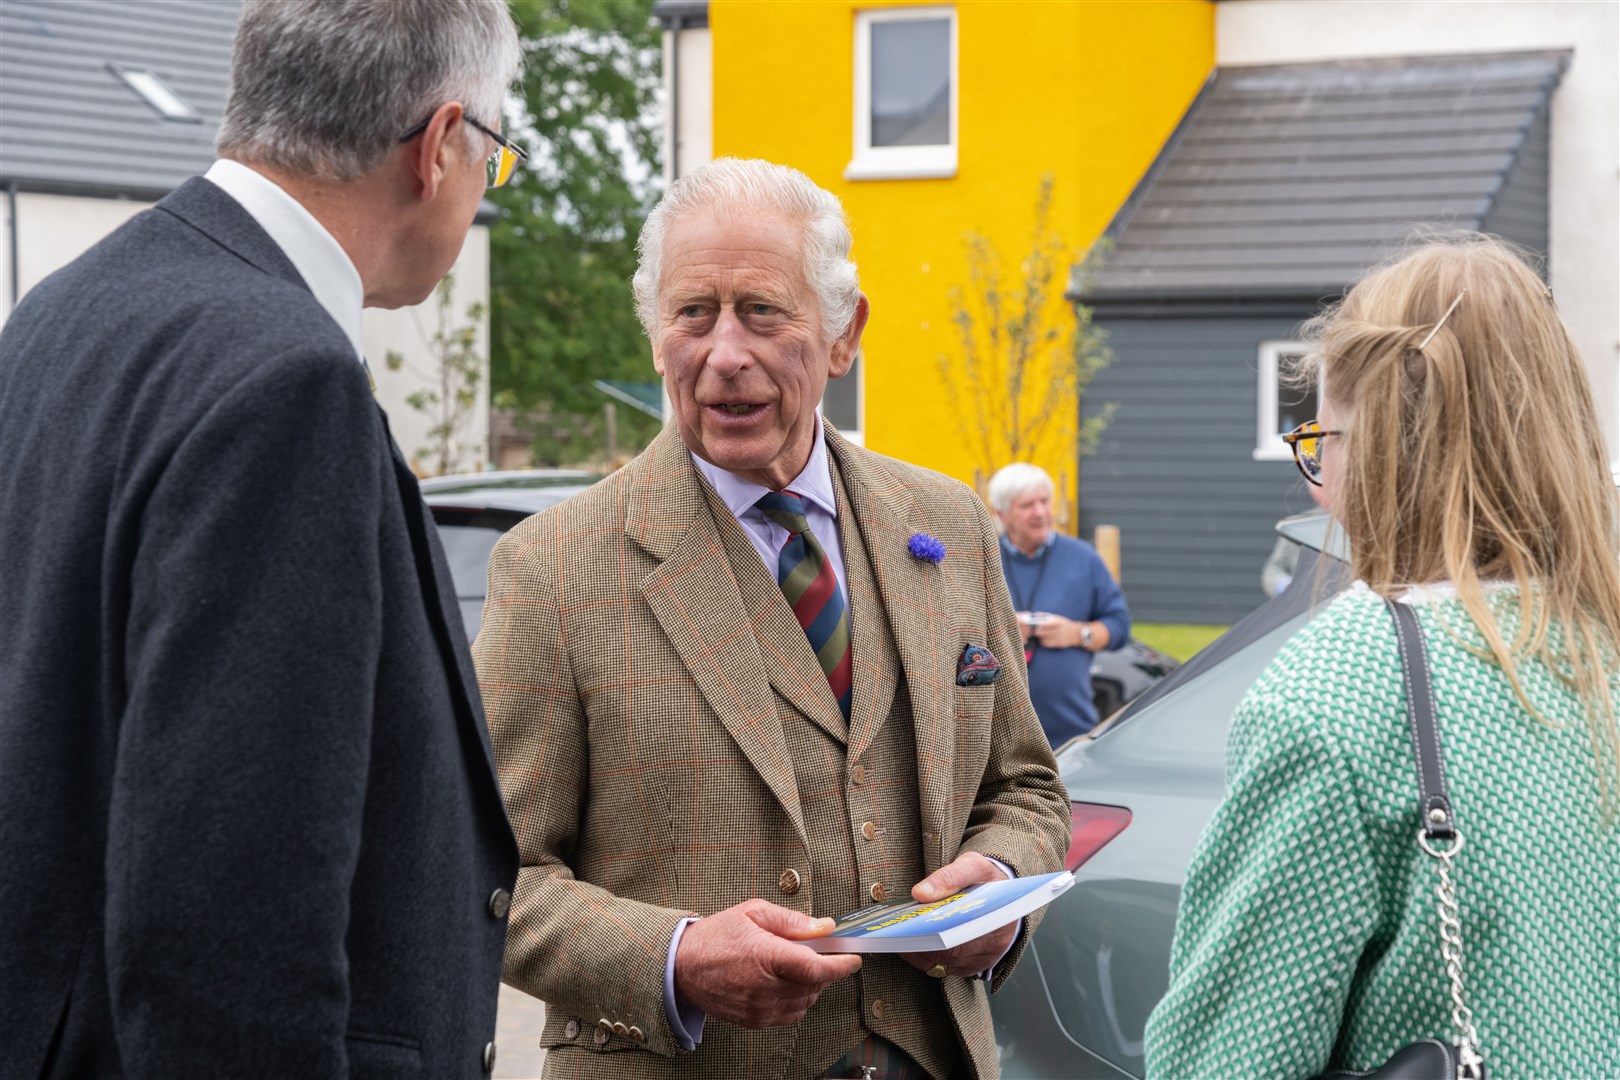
[(1142, 784), (473, 510)]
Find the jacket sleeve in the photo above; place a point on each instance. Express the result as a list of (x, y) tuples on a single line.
[(1280, 901), (1020, 814), (250, 655), (1108, 604), (574, 945)]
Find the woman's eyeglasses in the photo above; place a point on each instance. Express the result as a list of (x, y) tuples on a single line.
[(1306, 443), (502, 160)]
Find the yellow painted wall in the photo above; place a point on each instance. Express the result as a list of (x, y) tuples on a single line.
[(1087, 91)]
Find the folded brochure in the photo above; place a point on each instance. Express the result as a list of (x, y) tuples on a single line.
[(909, 926)]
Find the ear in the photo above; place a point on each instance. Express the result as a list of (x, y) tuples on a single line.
[(848, 343), (658, 359), (430, 155)]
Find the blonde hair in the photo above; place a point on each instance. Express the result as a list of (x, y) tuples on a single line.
[(1472, 454)]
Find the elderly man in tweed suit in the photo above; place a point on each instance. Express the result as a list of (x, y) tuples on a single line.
[(728, 694)]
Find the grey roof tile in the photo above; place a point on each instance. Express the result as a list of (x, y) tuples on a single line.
[(68, 123), (1293, 178)]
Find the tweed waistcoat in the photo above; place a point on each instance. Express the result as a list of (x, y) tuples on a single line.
[(866, 834)]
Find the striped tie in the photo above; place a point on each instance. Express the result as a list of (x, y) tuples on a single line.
[(811, 587)]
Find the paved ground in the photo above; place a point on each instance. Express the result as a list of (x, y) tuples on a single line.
[(517, 1036)]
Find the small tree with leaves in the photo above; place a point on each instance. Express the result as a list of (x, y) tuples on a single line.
[(1022, 360), (451, 396)]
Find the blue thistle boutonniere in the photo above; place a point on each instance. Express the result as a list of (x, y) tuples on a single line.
[(925, 547)]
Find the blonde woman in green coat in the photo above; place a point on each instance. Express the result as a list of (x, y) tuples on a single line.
[(1460, 452)]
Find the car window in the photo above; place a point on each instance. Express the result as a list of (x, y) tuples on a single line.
[(467, 547)]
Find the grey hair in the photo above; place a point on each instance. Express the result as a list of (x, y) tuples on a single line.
[(326, 87), (742, 184), (1015, 480)]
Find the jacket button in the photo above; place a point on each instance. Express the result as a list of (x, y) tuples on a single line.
[(599, 1037), (621, 1030), (879, 1007), (571, 1029), (500, 902), (789, 881), (637, 1035), (489, 1057), (869, 830), (879, 893), (858, 774)]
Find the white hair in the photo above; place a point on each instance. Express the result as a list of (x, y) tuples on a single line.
[(1015, 481), (325, 88), (743, 184)]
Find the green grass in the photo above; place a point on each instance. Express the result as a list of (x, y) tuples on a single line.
[(1180, 640)]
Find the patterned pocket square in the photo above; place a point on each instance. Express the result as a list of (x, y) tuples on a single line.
[(977, 667)]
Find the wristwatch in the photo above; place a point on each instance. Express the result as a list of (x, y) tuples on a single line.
[(1086, 634)]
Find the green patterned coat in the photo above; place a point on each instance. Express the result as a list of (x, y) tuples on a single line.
[(1307, 936)]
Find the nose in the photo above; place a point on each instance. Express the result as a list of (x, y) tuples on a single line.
[(728, 352)]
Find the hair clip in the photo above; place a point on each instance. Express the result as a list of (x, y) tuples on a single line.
[(1425, 343)]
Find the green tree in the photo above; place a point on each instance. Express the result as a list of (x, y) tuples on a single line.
[(1023, 358), (451, 393), (563, 251)]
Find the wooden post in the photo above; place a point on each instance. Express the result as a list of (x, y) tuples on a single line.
[(1106, 540)]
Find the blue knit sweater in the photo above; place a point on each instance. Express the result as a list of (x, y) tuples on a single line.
[(1076, 584)]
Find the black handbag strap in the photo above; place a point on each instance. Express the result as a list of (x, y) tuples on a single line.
[(1438, 822)]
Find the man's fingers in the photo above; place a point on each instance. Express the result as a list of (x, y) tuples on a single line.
[(966, 869), (790, 924), (801, 965)]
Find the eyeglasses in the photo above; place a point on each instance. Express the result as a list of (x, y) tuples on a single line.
[(1306, 443), (502, 160)]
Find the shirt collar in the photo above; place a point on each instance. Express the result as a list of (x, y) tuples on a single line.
[(1046, 545), (317, 256), (814, 484)]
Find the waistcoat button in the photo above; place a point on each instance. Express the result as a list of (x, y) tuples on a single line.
[(869, 830), (879, 893), (789, 881), (858, 774)]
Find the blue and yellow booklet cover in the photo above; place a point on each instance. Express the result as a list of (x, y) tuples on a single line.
[(944, 924)]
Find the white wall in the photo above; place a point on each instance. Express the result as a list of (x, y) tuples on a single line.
[(53, 230), (693, 129), (1584, 169)]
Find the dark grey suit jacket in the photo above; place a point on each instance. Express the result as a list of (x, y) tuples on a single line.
[(249, 824)]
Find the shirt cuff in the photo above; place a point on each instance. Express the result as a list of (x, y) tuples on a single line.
[(684, 1019), (989, 973)]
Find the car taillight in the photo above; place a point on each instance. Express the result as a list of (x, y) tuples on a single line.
[(1092, 826)]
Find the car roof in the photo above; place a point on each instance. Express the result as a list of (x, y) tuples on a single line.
[(524, 491)]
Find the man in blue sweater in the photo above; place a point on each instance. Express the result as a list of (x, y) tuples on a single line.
[(1068, 603)]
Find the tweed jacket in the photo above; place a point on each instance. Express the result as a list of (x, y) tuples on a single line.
[(633, 660), (1308, 937), (249, 819)]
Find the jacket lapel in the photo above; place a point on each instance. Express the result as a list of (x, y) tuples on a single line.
[(909, 591), (876, 665), (697, 600)]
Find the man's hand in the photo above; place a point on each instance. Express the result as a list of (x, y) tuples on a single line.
[(971, 957), (1060, 633), (744, 964)]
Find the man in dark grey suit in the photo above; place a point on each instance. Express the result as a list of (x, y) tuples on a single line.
[(248, 819)]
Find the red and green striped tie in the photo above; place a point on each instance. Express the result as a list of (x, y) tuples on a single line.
[(811, 587)]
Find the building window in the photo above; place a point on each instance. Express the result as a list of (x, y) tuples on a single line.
[(841, 403), (156, 93), (905, 94), (1282, 407)]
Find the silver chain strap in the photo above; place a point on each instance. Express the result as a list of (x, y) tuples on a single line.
[(1470, 1066)]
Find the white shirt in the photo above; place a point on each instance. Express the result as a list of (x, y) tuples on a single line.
[(317, 256)]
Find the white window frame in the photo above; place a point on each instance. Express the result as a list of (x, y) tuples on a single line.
[(898, 162), (1268, 444)]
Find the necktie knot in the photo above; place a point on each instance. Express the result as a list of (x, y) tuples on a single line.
[(786, 509)]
